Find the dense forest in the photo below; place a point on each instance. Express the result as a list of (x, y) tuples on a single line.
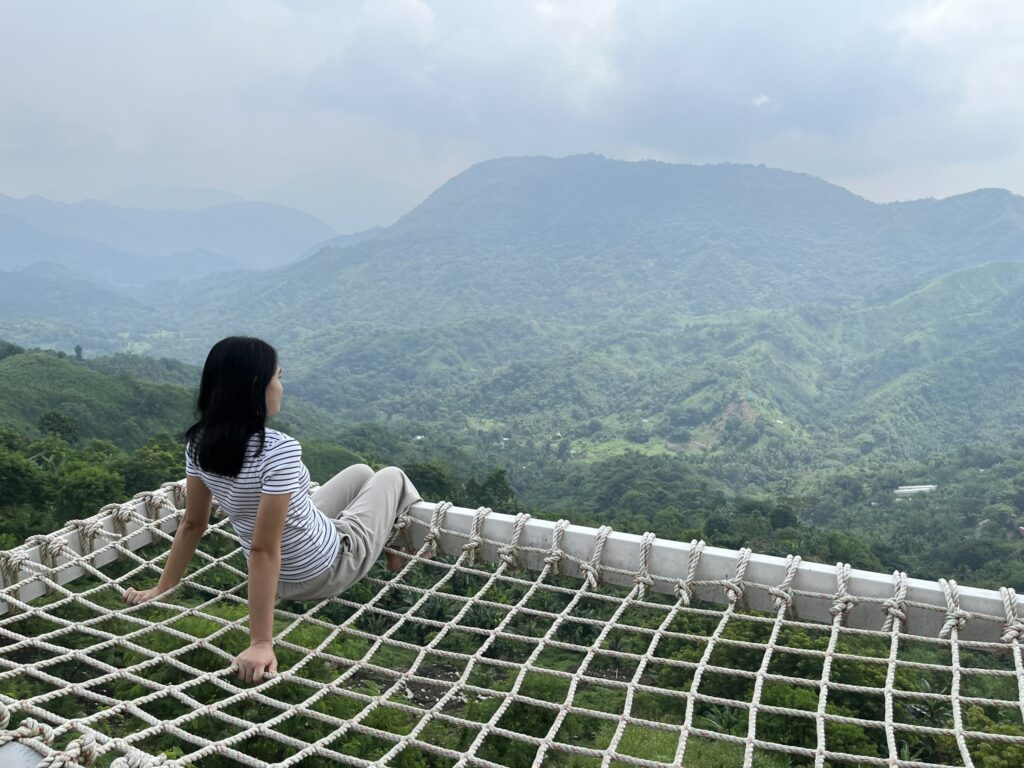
[(72, 442)]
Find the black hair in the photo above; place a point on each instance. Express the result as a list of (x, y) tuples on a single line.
[(232, 403)]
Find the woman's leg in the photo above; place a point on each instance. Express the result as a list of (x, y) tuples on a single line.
[(370, 516), (332, 497)]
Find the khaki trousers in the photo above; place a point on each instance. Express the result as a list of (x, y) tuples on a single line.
[(363, 505)]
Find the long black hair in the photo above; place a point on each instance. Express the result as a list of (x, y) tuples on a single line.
[(232, 403)]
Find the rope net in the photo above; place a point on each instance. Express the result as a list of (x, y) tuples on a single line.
[(456, 662)]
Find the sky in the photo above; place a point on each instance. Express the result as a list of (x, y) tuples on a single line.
[(354, 112)]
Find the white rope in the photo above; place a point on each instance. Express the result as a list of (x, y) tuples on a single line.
[(841, 603), (73, 627), (733, 592), (783, 599)]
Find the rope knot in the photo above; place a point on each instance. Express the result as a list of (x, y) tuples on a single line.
[(733, 590), (472, 546), (683, 591), (1012, 632), (30, 728), (137, 760), (894, 609), (507, 555), (642, 581), (81, 751), (1013, 629), (430, 540), (87, 530), (154, 503), (592, 569), (12, 563), (842, 604), (955, 617), (841, 601), (554, 555), (177, 492), (781, 597), (51, 546), (734, 586), (5, 716), (591, 572), (122, 515)]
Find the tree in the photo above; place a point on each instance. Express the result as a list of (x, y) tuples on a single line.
[(21, 480), (60, 425), (159, 461), (84, 488), (435, 480)]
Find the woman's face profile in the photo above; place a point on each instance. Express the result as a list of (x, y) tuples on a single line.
[(275, 391)]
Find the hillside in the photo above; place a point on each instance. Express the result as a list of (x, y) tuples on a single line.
[(766, 324), (118, 408)]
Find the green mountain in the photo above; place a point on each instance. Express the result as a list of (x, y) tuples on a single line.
[(117, 408), (124, 398), (766, 324), (583, 238)]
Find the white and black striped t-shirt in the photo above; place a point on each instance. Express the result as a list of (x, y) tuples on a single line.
[(309, 543)]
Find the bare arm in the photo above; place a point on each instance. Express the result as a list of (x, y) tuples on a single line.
[(264, 569), (193, 526)]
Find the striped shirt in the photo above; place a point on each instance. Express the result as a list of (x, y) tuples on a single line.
[(309, 543)]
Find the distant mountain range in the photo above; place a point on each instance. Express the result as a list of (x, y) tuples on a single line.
[(764, 319), (163, 197), (133, 246)]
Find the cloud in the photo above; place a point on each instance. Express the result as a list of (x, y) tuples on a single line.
[(268, 97)]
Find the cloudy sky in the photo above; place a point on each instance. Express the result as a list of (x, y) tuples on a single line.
[(356, 111)]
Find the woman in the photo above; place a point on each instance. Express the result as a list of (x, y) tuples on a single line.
[(299, 548)]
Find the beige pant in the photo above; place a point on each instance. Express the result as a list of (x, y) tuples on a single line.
[(363, 505)]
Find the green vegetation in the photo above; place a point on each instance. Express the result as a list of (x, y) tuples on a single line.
[(78, 437), (743, 355)]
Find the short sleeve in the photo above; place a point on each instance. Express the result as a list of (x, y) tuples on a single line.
[(191, 469), (282, 470)]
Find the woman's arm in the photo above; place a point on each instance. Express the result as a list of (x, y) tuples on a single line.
[(264, 568), (197, 517)]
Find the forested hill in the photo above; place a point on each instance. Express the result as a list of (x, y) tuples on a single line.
[(536, 312), (582, 237)]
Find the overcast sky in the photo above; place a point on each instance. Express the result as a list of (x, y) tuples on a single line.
[(356, 111)]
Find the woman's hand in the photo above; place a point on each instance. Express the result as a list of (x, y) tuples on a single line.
[(137, 596), (254, 661)]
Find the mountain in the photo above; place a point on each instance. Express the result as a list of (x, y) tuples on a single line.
[(584, 238), (761, 322), (116, 408), (23, 246), (253, 235), (163, 197), (123, 398), (344, 241)]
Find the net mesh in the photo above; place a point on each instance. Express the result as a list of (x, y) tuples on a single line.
[(456, 661)]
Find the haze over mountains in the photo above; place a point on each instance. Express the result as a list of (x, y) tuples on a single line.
[(133, 246), (766, 317)]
